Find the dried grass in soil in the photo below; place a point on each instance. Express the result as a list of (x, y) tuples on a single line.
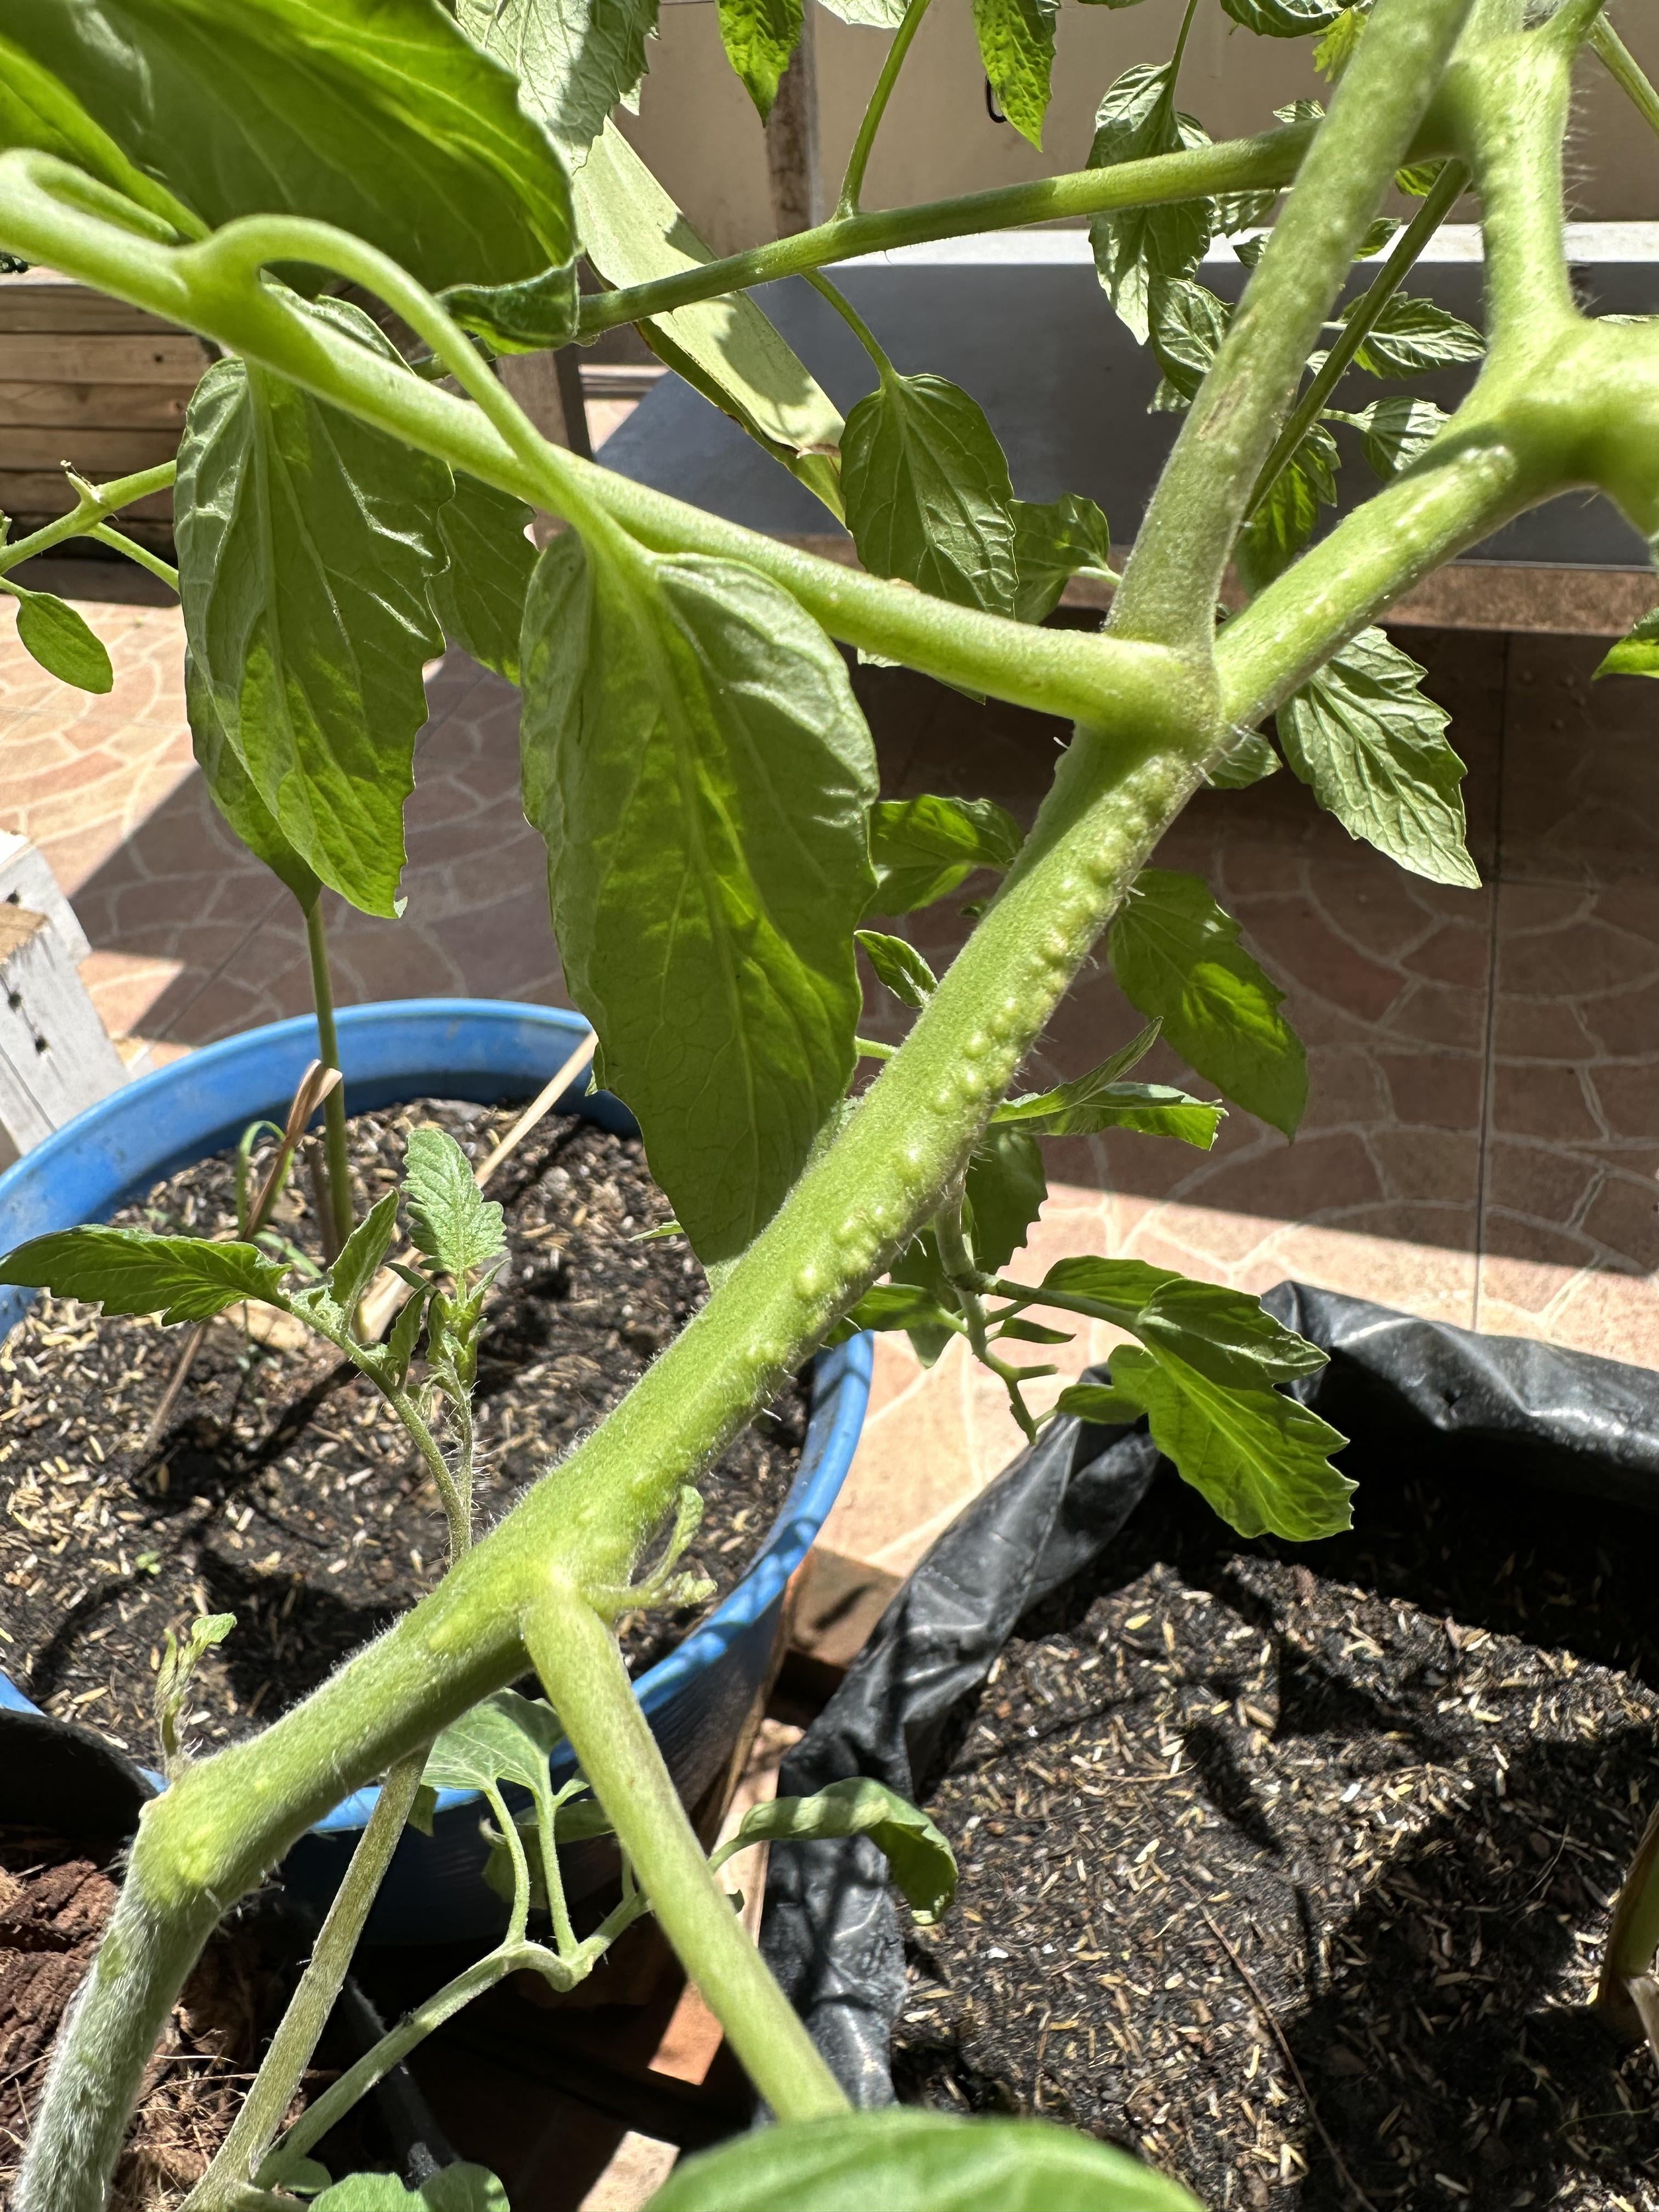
[(1399, 1773), (53, 1905), (283, 1490)]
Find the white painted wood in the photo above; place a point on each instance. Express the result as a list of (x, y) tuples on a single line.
[(55, 1056), (26, 879)]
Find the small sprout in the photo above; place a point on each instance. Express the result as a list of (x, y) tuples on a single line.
[(179, 1663)]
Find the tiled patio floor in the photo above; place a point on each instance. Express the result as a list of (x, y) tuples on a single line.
[(1482, 1138)]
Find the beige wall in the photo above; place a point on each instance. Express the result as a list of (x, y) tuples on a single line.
[(697, 129)]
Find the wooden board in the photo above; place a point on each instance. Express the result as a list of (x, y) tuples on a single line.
[(105, 406), (94, 359), (39, 302), (96, 453)]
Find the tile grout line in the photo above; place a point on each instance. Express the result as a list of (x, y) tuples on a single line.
[(1489, 1051)]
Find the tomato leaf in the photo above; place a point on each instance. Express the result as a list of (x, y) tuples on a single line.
[(1016, 46), (687, 706), (131, 1271), (1284, 19), (759, 36), (1176, 955), (575, 60), (1052, 542), (928, 493), (1638, 655), (479, 598), (1005, 1186), (921, 1861), (1139, 249), (61, 640), (450, 1220), (924, 848), (1362, 735), (899, 966)]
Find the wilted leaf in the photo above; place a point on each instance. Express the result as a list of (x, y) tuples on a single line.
[(130, 1271), (688, 708), (1370, 746), (1177, 955)]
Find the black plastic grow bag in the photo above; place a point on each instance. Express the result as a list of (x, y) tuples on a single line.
[(1456, 1403)]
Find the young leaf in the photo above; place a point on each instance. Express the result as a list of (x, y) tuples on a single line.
[(131, 1271), (928, 493), (923, 1862), (923, 848), (1176, 954), (1247, 759), (687, 706), (1335, 49), (895, 1305), (575, 60), (1052, 542), (759, 36), (899, 966), (1371, 748), (1637, 654), (479, 597), (458, 1228), (504, 1738), (905, 2158), (1141, 248), (1394, 432), (1284, 19), (406, 1335), (1261, 1459), (306, 544), (1005, 1186), (527, 316), (374, 115), (452, 2189), (362, 1253), (1411, 335), (51, 632), (1092, 1401), (231, 789), (631, 231), (1085, 1108), (1227, 1335), (1187, 325), (1016, 46), (172, 1678)]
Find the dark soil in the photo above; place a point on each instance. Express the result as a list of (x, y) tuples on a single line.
[(1290, 1872), (283, 1490), (53, 1905)]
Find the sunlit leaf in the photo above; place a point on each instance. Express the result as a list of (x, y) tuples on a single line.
[(452, 2189), (458, 1228), (921, 1861), (1052, 542), (1005, 1186), (231, 789), (362, 1252), (1637, 654), (65, 645), (1394, 432), (1016, 46), (1284, 19), (924, 848), (1141, 248), (928, 493), (759, 37), (131, 1271), (899, 966), (1412, 336), (575, 60)]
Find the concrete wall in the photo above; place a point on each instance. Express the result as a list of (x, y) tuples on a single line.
[(698, 131)]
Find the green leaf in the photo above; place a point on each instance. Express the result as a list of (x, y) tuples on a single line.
[(362, 1252), (307, 544), (1381, 231), (528, 316), (1177, 955), (375, 115), (51, 632), (1005, 1186), (450, 1220), (1141, 248), (1091, 1402), (631, 232), (1411, 335), (1016, 46), (405, 1335), (896, 1305), (1289, 514), (1284, 19), (907, 2160), (923, 1863), (1085, 1107), (1394, 432), (1418, 179), (869, 14), (1052, 542), (759, 36), (1120, 1287), (1247, 761), (688, 708), (1187, 325), (1224, 1335), (899, 966), (928, 493), (479, 598), (924, 848), (231, 789), (1335, 49), (37, 109), (130, 1271), (1372, 750), (1637, 654), (452, 2189), (1033, 1332), (1261, 1459), (504, 1738), (920, 1266), (575, 60)]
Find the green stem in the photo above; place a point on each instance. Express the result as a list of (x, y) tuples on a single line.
[(576, 1654), (90, 510), (1271, 158), (970, 1283), (328, 1051), (282, 2068), (1179, 55), (852, 183), (456, 1496), (141, 555), (1625, 70), (1359, 323), (854, 322), (1174, 576)]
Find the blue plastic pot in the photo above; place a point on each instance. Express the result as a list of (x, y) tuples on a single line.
[(491, 1051)]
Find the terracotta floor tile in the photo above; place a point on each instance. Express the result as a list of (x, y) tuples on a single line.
[(1581, 801)]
